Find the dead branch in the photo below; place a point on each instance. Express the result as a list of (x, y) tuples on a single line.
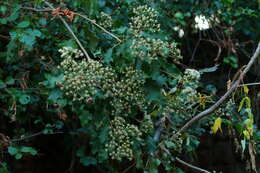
[(234, 86)]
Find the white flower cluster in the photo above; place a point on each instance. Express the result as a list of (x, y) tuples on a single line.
[(184, 97), (179, 30), (147, 126), (202, 23), (190, 82), (105, 20), (150, 49), (127, 92), (122, 136), (192, 74), (67, 52), (144, 20), (84, 79)]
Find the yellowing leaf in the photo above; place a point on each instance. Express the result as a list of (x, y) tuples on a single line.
[(217, 125), (246, 134), (246, 90)]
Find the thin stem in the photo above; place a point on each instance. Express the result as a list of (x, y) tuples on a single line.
[(37, 10), (70, 30), (250, 84), (191, 166), (4, 37), (33, 135), (97, 25)]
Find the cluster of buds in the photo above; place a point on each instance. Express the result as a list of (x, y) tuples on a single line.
[(68, 52), (147, 125), (105, 20), (128, 92), (184, 98), (83, 79), (230, 107), (122, 137), (192, 74), (144, 20), (174, 143), (149, 49), (190, 81)]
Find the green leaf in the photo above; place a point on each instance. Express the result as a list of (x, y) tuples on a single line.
[(35, 33), (86, 161), (23, 24), (54, 95), (2, 84), (179, 15), (170, 144), (28, 150), (43, 21), (108, 56), (12, 150), (24, 99), (28, 40), (179, 170), (232, 61), (9, 80), (18, 156)]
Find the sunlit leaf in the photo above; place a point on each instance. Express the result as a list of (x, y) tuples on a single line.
[(217, 125)]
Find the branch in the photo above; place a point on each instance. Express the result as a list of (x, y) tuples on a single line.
[(185, 163), (33, 135), (191, 166), (9, 141), (97, 25), (78, 14), (159, 129), (250, 84), (37, 10), (4, 37), (225, 96), (70, 30)]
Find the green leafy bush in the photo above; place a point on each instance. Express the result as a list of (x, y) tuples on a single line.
[(126, 103)]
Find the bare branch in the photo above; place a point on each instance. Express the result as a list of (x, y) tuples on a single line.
[(97, 25), (250, 84), (37, 10), (26, 137), (225, 96), (70, 30), (191, 166), (4, 37), (185, 163), (33, 135)]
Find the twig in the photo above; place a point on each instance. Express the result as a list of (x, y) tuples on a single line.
[(33, 135), (196, 47), (159, 129), (70, 30), (191, 166), (225, 96), (97, 25), (250, 84), (37, 10), (28, 137), (185, 163), (4, 37), (78, 14)]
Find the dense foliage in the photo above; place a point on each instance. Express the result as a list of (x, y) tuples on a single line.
[(120, 101)]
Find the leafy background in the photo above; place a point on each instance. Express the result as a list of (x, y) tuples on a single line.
[(73, 135)]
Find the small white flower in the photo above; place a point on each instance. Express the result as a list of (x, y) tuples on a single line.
[(202, 23)]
